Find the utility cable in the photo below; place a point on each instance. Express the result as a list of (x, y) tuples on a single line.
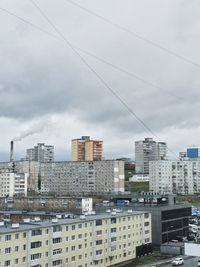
[(93, 70), (134, 34), (95, 73), (131, 74)]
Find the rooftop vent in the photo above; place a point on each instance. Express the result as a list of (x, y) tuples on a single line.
[(37, 219), (27, 220), (15, 225)]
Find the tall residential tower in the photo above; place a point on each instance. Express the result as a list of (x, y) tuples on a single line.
[(41, 153), (85, 149), (148, 150)]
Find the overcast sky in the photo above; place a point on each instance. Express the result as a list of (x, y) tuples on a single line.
[(47, 89)]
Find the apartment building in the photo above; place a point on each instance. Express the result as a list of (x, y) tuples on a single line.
[(146, 151), (40, 153), (85, 149), (85, 177), (12, 183), (175, 176), (31, 168), (98, 240)]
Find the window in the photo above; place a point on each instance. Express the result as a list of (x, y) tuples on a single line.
[(57, 262), (57, 228), (16, 261), (99, 242), (98, 222), (79, 225), (36, 256), (113, 220), (7, 263), (79, 236), (17, 248), (36, 232), (7, 237), (73, 258), (57, 251), (73, 237), (73, 227), (79, 246), (73, 248), (24, 259), (57, 240), (36, 244), (24, 235), (7, 250), (24, 247), (113, 230), (99, 232), (99, 252), (146, 215), (146, 224), (16, 236)]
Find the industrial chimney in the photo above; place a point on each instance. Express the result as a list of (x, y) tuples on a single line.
[(11, 150)]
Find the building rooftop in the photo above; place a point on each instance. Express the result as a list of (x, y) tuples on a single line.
[(8, 227)]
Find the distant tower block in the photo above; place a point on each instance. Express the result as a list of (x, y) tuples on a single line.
[(85, 149)]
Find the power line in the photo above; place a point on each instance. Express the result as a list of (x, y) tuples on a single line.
[(134, 34), (92, 69), (95, 73), (133, 75), (28, 22)]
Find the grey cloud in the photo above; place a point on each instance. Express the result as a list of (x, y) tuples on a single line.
[(41, 76)]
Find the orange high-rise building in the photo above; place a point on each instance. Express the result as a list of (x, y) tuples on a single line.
[(86, 149)]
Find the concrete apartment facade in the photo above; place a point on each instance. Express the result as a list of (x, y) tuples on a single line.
[(40, 153), (12, 183), (175, 176), (98, 240), (148, 150), (86, 177), (85, 149)]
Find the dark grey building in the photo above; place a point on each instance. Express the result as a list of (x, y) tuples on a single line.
[(170, 221)]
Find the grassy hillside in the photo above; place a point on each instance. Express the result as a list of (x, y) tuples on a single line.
[(136, 186)]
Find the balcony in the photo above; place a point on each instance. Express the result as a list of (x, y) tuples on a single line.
[(35, 262), (57, 234)]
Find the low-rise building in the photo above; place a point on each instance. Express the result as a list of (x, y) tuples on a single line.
[(98, 240)]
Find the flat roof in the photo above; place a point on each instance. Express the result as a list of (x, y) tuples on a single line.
[(7, 228)]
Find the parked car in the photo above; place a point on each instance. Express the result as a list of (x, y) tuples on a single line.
[(178, 261), (198, 263)]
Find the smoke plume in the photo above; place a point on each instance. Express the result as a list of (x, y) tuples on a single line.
[(35, 128)]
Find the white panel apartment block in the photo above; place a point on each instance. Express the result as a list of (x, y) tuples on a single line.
[(175, 176)]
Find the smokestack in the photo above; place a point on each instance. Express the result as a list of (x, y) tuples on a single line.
[(11, 150)]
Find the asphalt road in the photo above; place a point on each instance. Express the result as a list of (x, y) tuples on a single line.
[(187, 263)]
